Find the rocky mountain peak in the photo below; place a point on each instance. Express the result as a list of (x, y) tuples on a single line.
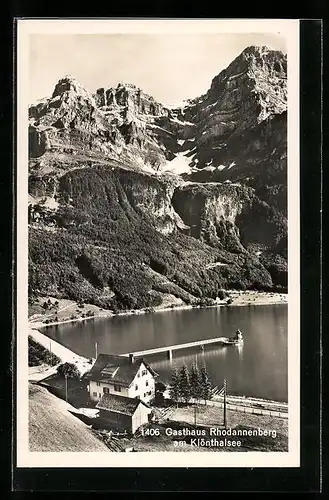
[(222, 135), (131, 97), (255, 63), (128, 86), (114, 173), (69, 84), (271, 62), (257, 49)]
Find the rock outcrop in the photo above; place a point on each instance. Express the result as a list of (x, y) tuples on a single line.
[(182, 201)]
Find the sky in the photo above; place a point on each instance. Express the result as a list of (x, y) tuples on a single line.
[(170, 68)]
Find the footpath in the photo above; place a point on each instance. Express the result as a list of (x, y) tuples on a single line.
[(66, 355)]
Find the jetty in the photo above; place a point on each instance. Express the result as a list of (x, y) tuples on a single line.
[(169, 349)]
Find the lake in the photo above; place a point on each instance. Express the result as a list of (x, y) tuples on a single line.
[(257, 368)]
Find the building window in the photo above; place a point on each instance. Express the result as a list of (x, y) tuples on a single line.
[(117, 388), (106, 390), (138, 374), (136, 387), (144, 372), (99, 394), (145, 394), (98, 384), (95, 394), (147, 383)]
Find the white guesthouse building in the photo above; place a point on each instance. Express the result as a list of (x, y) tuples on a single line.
[(121, 376)]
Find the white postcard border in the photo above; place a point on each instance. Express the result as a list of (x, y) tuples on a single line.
[(290, 30)]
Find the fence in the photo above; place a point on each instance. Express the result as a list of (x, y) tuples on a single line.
[(246, 409)]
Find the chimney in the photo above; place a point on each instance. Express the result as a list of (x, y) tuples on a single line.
[(131, 357)]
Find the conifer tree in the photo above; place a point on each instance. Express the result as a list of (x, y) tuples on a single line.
[(174, 389), (195, 382), (205, 384), (184, 383)]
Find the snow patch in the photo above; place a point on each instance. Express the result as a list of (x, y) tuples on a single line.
[(231, 165), (211, 105), (181, 122), (179, 165), (152, 125), (237, 75), (180, 141)]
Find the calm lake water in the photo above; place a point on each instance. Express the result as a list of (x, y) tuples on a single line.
[(258, 368)]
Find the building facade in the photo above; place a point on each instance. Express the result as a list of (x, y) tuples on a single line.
[(122, 413), (123, 377)]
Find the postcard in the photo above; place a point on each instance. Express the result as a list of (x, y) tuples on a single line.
[(158, 243)]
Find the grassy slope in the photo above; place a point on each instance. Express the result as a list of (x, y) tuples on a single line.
[(53, 428), (39, 355)]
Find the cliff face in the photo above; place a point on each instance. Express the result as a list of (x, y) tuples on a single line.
[(229, 217), (239, 131), (257, 159), (161, 201)]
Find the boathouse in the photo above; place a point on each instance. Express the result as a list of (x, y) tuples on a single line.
[(123, 413)]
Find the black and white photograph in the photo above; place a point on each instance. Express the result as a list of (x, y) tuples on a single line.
[(158, 243)]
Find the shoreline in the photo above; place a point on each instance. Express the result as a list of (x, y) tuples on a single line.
[(65, 354), (84, 365), (36, 327), (240, 299)]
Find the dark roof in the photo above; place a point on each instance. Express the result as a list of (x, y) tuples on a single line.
[(126, 373), (119, 404), (107, 359), (118, 369)]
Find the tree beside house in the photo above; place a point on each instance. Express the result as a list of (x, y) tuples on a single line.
[(186, 385)]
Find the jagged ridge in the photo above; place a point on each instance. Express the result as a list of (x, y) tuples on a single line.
[(98, 182)]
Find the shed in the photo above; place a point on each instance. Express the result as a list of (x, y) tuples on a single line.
[(122, 412)]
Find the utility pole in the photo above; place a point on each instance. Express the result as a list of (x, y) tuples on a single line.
[(65, 387), (225, 421), (51, 356), (195, 416), (96, 349)]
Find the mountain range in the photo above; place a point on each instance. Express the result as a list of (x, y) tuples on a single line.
[(133, 204)]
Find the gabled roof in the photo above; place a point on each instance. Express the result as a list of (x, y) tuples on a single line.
[(117, 369), (119, 404), (154, 373), (104, 360)]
